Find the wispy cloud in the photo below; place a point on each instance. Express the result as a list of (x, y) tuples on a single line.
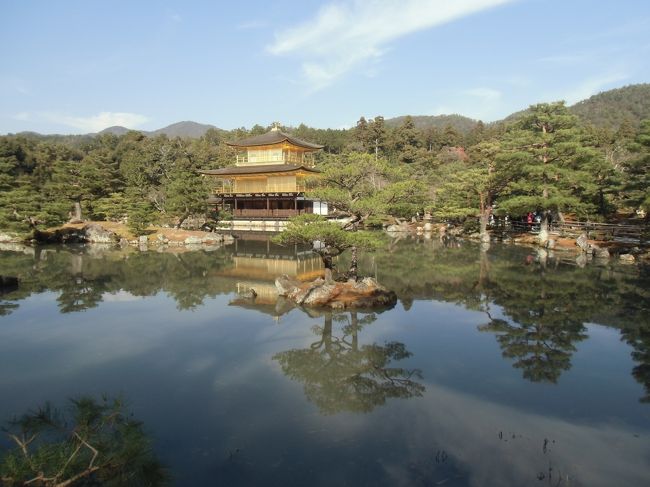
[(100, 121), (343, 36), (593, 85)]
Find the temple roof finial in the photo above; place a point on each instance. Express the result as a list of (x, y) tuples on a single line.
[(275, 126)]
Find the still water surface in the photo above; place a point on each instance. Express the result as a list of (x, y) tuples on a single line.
[(495, 368)]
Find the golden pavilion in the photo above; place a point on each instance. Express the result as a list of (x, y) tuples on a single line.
[(268, 178)]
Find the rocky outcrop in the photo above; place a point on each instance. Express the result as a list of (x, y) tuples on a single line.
[(9, 238), (401, 228), (582, 242), (601, 253), (95, 233), (91, 233), (626, 258), (365, 294)]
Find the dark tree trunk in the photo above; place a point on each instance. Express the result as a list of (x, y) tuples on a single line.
[(483, 221), (181, 220), (329, 265), (353, 272)]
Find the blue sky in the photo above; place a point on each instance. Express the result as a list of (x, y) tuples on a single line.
[(80, 66)]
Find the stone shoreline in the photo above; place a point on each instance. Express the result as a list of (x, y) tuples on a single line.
[(584, 248), (101, 233)]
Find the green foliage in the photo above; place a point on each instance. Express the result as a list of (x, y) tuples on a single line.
[(140, 215), (547, 164), (636, 189), (95, 443), (362, 187), (459, 123), (331, 239), (309, 228), (114, 207)]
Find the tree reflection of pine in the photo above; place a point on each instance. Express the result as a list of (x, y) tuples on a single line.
[(544, 302), (340, 375)]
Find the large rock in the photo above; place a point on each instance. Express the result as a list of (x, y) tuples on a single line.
[(366, 293), (626, 258), (193, 240), (286, 285), (601, 253), (397, 228), (583, 243), (9, 238), (95, 233)]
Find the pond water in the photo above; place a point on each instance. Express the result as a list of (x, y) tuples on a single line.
[(495, 368)]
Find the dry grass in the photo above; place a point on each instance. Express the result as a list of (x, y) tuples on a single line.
[(172, 234)]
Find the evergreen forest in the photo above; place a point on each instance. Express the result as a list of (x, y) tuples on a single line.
[(588, 162)]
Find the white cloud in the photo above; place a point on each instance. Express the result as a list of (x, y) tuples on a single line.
[(343, 36), (95, 123)]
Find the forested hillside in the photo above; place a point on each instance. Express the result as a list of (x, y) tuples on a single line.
[(610, 109), (547, 160), (422, 122)]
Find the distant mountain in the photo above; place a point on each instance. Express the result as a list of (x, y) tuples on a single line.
[(184, 129), (610, 108), (115, 130), (188, 129), (460, 123)]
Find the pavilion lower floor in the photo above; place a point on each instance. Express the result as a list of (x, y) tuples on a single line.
[(267, 205)]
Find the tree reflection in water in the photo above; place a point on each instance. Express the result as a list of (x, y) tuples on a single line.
[(544, 301), (340, 375)]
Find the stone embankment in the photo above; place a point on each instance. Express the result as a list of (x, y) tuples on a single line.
[(366, 293), (584, 248), (108, 233)]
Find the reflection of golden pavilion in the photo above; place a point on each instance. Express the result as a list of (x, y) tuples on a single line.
[(256, 265)]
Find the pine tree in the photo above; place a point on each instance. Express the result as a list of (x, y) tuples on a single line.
[(362, 134), (377, 135), (636, 188), (406, 141), (547, 164)]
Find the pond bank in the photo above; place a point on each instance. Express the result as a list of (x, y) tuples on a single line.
[(112, 233), (582, 246)]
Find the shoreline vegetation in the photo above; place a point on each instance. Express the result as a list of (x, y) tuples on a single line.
[(548, 163)]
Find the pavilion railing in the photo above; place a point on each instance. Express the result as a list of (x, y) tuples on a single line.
[(271, 213)]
